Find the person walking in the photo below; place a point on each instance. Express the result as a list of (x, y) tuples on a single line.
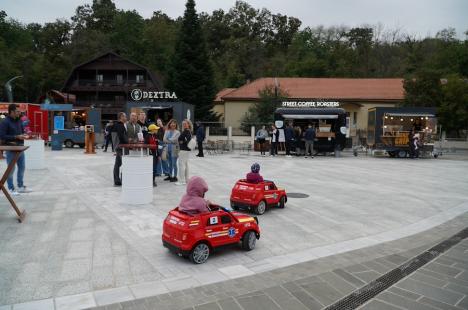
[(274, 140), (108, 136), (121, 138), (200, 138), (184, 153), (133, 129), (309, 137), (261, 137), (171, 137), (12, 134), (289, 137)]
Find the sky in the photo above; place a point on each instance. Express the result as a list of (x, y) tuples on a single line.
[(417, 17)]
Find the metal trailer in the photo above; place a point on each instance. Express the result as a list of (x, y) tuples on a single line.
[(165, 110), (330, 142), (388, 130)]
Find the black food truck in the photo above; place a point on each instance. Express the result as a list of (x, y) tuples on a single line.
[(329, 124), (166, 111), (389, 129)]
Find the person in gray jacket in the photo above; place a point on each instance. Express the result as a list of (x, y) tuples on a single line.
[(261, 137), (309, 137), (133, 128)]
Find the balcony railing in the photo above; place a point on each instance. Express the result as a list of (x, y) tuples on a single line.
[(111, 83)]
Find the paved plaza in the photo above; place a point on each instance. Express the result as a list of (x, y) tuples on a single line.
[(80, 247)]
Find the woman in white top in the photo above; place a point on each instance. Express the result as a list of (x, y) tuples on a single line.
[(171, 137)]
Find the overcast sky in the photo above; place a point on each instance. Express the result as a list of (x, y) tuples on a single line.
[(419, 17)]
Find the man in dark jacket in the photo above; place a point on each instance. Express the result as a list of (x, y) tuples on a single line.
[(12, 133), (122, 138), (108, 136), (143, 125), (309, 138), (200, 138), (289, 137)]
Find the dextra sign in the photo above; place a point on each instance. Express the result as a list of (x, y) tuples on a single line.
[(138, 94), (310, 104)]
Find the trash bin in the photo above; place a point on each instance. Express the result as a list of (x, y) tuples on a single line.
[(56, 143)]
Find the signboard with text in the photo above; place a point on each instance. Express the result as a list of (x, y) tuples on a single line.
[(310, 104)]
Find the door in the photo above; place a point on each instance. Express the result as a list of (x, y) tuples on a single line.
[(219, 230), (270, 193)]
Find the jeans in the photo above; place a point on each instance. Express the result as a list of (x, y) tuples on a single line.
[(172, 163), (21, 166), (289, 144), (200, 149), (109, 140), (309, 146), (183, 166), (274, 148)]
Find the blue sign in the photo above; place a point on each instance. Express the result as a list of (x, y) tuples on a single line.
[(59, 122), (56, 107), (232, 232)]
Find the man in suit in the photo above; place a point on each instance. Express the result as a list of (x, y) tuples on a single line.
[(122, 138), (133, 128)]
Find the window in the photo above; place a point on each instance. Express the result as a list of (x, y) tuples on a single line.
[(225, 219), (119, 79), (139, 78), (99, 79)]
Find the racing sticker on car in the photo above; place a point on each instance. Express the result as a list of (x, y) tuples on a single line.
[(213, 220), (266, 187)]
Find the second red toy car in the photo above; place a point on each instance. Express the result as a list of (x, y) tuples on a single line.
[(257, 197)]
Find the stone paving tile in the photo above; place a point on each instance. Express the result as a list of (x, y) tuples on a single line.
[(45, 304), (463, 303), (444, 295), (378, 305), (114, 295), (367, 276), (402, 302), (260, 302), (349, 277), (436, 303), (208, 306), (404, 293)]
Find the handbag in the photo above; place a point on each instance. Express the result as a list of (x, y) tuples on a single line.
[(192, 143), (164, 154)]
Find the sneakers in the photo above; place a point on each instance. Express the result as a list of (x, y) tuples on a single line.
[(180, 183), (23, 190), (15, 193), (167, 178), (174, 179)]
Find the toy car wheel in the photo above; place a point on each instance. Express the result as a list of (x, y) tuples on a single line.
[(260, 208), (249, 240), (200, 253), (69, 143), (233, 206), (282, 202)]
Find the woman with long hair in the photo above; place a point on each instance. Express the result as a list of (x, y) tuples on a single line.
[(171, 137), (184, 154)]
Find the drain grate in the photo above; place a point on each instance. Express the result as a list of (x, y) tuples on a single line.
[(364, 294), (297, 195)]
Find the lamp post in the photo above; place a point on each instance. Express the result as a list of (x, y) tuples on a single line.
[(9, 88)]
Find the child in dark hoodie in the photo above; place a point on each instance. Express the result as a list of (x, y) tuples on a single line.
[(193, 201), (254, 176)]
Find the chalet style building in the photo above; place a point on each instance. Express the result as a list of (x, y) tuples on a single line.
[(106, 82)]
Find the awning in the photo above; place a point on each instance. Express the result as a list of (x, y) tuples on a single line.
[(309, 116), (410, 114)]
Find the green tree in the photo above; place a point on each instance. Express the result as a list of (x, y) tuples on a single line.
[(453, 111), (262, 112), (191, 76), (423, 89)]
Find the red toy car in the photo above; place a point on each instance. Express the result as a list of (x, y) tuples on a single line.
[(196, 236), (257, 196)]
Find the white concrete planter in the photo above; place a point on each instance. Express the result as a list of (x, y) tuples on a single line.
[(137, 180), (35, 154)]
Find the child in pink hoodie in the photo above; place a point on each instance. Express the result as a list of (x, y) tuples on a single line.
[(193, 201)]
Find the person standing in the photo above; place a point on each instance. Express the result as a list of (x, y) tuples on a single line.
[(274, 140), (411, 143), (309, 138), (261, 137), (200, 138), (162, 168), (108, 135), (171, 138), (12, 133), (121, 138), (152, 140), (298, 140), (143, 124), (133, 129), (289, 137), (184, 153)]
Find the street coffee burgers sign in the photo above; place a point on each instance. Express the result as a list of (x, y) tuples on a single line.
[(138, 94), (310, 104)]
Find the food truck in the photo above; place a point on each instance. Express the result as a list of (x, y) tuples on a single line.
[(166, 111), (389, 129), (329, 123)]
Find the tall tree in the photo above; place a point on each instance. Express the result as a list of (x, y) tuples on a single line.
[(191, 76)]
